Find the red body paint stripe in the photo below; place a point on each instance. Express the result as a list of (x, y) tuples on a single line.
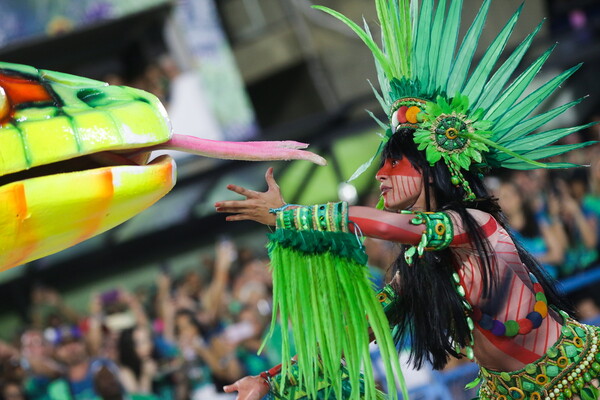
[(510, 298), (393, 233), (488, 228), (510, 348)]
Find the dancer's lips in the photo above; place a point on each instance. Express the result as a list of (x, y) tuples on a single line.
[(384, 189)]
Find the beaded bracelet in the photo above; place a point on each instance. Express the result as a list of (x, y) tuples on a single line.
[(330, 217)]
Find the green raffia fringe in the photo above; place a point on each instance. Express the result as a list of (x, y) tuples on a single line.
[(321, 287), (324, 392)]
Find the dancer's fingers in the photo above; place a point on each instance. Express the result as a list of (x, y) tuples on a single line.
[(230, 388), (232, 206), (242, 190), (239, 217), (271, 183)]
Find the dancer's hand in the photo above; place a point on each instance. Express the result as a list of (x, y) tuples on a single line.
[(248, 388), (256, 206)]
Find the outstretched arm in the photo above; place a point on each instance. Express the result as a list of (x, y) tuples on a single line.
[(402, 227), (392, 226)]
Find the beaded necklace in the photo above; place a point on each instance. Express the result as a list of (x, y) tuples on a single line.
[(522, 326)]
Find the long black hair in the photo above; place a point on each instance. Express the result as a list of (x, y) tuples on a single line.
[(127, 351), (432, 313)]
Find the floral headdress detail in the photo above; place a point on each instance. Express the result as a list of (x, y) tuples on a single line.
[(471, 121)]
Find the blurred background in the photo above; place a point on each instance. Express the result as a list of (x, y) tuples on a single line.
[(174, 303)]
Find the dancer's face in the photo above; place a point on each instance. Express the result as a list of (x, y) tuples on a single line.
[(400, 183)]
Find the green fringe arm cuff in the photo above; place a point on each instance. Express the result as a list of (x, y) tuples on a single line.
[(330, 217), (437, 235), (321, 286)]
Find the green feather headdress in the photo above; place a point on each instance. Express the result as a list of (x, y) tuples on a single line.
[(470, 120)]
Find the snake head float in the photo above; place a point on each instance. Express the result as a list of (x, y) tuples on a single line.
[(74, 158)]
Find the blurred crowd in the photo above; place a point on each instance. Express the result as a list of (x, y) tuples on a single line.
[(555, 215), (181, 338)]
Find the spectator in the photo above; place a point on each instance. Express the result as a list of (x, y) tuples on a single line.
[(36, 358), (12, 390), (49, 309), (137, 359), (77, 382), (531, 229), (591, 200), (579, 224)]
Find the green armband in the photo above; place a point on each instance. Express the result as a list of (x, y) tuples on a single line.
[(330, 217), (438, 233)]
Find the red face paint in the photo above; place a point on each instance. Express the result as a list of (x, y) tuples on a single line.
[(401, 184), (401, 167)]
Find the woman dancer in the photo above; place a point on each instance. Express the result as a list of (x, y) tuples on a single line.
[(462, 285)]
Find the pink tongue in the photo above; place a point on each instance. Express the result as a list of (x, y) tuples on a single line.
[(249, 151)]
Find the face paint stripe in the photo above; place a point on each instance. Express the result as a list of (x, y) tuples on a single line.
[(401, 188), (414, 183), (406, 185), (395, 189)]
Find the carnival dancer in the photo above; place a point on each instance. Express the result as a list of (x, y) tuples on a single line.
[(462, 285)]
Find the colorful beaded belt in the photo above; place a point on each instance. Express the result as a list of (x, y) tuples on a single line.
[(566, 370)]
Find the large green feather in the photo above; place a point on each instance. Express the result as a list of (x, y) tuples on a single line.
[(448, 44), (539, 140), (531, 124), (546, 152), (495, 85), (465, 55), (523, 166), (403, 7), (522, 110), (388, 34), (384, 82), (377, 53), (422, 45), (517, 88), (437, 33), (476, 83)]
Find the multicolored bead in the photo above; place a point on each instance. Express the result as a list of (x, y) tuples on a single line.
[(522, 326)]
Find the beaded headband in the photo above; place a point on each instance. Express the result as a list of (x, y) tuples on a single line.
[(471, 120)]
